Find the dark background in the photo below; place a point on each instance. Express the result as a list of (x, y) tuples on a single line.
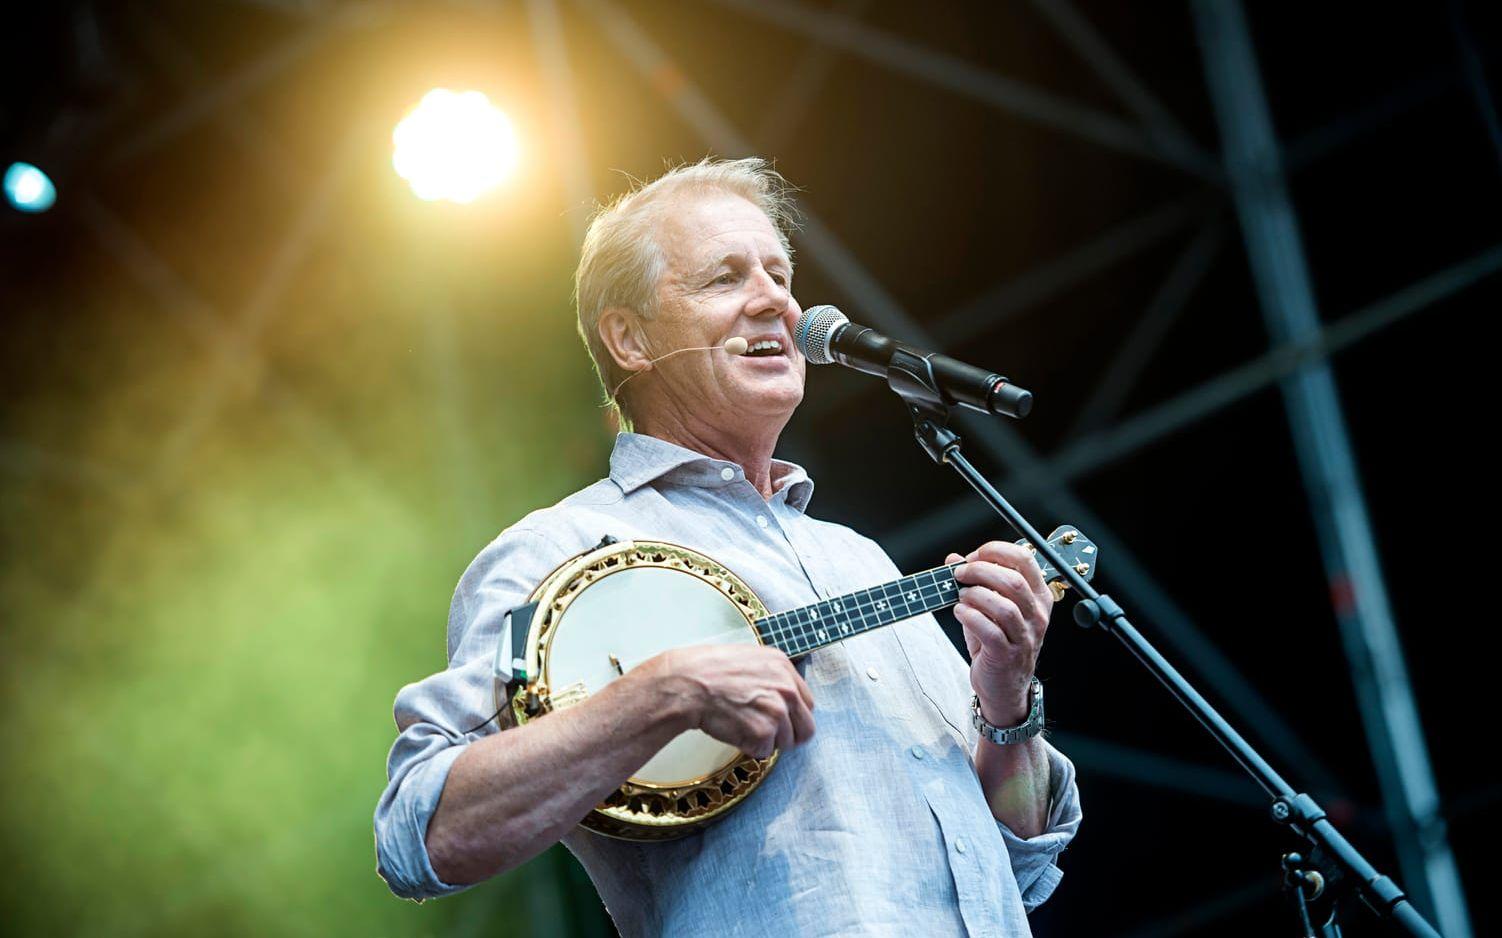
[(262, 406)]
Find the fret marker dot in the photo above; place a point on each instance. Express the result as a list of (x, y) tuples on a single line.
[(911, 596)]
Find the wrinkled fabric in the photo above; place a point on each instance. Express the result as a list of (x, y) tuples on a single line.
[(878, 825)]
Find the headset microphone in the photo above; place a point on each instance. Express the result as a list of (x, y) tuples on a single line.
[(735, 345)]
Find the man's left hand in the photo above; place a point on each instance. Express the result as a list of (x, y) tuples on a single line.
[(1003, 607)]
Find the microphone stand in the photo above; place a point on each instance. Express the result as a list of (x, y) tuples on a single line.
[(1330, 865)]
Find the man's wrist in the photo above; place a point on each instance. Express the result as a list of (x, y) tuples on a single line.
[(1009, 713), (1021, 730)]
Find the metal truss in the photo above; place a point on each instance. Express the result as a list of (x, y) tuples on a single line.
[(1409, 793), (1297, 360)]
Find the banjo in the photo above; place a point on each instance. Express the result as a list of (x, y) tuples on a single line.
[(612, 607)]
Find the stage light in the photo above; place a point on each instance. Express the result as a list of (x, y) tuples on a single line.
[(28, 189), (454, 145)]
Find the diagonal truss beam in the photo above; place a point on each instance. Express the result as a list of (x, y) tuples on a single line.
[(224, 91), (1347, 544), (212, 331), (804, 81), (547, 34), (1104, 757), (1023, 293), (1093, 49), (1090, 453), (1163, 310), (963, 78), (997, 438)]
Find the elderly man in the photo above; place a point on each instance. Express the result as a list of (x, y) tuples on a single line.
[(899, 814)]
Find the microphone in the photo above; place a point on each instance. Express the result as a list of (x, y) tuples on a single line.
[(825, 336)]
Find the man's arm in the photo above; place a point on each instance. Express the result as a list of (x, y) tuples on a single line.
[(514, 794), (1017, 780)]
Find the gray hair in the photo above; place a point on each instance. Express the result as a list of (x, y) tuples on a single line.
[(621, 263)]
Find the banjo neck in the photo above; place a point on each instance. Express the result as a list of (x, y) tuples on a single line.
[(799, 631)]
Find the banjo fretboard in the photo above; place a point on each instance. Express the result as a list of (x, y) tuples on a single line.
[(800, 631)]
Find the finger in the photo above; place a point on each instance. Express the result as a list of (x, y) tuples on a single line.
[(803, 725), (999, 609), (1017, 557), (798, 682), (980, 631), (785, 734), (767, 737), (806, 695), (1006, 581)]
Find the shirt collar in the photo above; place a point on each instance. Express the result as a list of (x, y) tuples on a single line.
[(638, 459)]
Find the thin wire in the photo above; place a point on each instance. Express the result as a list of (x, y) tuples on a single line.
[(704, 348)]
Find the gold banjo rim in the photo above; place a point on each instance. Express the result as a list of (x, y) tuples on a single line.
[(639, 809)]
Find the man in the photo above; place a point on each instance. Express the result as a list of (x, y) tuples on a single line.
[(896, 815)]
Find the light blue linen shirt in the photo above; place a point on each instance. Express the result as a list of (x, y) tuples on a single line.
[(878, 825)]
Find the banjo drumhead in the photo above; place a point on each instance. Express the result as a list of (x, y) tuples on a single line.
[(634, 614)]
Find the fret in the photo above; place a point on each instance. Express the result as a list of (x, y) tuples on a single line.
[(802, 630)]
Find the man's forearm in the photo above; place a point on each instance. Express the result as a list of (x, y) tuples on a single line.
[(1018, 784), (513, 794)]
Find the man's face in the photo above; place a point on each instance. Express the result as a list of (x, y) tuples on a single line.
[(726, 275)]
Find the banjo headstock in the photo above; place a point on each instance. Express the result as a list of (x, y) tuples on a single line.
[(1075, 549)]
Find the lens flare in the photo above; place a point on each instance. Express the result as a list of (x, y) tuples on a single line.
[(28, 189), (454, 146)]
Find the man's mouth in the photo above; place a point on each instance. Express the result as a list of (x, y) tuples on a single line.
[(764, 348)]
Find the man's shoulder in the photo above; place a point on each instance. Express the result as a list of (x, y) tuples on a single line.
[(570, 525)]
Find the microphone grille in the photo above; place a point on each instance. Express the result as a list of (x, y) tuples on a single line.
[(812, 334)]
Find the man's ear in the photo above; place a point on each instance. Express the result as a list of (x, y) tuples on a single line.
[(620, 330)]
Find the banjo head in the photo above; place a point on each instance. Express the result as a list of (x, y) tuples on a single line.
[(606, 611)]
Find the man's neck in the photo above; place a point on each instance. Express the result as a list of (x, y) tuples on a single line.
[(752, 452)]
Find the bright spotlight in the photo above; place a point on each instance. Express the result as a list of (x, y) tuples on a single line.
[(454, 145), (28, 189)]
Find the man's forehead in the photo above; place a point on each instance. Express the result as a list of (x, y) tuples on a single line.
[(709, 229)]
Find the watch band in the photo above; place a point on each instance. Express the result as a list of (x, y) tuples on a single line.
[(1015, 734)]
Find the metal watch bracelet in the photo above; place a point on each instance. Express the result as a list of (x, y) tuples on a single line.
[(1015, 734)]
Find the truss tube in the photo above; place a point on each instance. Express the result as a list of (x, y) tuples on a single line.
[(1286, 294)]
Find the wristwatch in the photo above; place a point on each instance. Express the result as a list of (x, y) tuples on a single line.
[(1016, 734)]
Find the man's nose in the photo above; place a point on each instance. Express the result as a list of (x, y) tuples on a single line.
[(771, 296)]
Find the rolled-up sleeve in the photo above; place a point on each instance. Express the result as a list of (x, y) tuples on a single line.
[(1035, 859), (441, 714)]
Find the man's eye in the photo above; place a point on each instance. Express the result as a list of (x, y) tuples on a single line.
[(780, 280), (723, 278)]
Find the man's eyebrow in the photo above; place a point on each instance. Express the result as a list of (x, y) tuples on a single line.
[(731, 257)]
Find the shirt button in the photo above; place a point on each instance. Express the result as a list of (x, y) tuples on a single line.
[(918, 753), (872, 674), (727, 473), (959, 845), (761, 520)]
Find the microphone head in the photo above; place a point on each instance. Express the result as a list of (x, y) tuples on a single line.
[(812, 333), (735, 345)]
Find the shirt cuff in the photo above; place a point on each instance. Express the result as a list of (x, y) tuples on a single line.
[(402, 831), (1035, 859)]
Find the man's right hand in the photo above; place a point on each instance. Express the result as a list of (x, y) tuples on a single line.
[(751, 698)]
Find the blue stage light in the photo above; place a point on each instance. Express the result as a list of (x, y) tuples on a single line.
[(28, 189)]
